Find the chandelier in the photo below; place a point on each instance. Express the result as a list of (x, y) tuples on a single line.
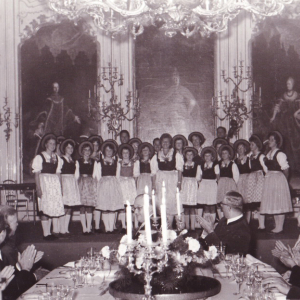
[(234, 107), (170, 16)]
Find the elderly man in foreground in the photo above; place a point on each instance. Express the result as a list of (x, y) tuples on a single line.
[(232, 230)]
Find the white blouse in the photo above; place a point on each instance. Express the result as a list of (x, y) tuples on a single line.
[(154, 163), (37, 164), (281, 158)]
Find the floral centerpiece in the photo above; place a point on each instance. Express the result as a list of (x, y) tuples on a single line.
[(162, 268)]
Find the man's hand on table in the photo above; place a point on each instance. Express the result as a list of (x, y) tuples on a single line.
[(279, 283)]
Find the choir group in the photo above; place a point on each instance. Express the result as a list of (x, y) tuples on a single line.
[(102, 177)]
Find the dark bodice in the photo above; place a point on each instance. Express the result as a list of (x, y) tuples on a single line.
[(243, 168), (226, 171), (255, 163), (126, 170), (68, 167), (189, 171), (108, 169), (167, 165), (272, 164), (49, 167), (145, 167), (86, 168), (208, 173)]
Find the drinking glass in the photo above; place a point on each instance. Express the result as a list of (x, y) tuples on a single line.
[(63, 290), (92, 270), (73, 275), (238, 271), (51, 289), (228, 262)]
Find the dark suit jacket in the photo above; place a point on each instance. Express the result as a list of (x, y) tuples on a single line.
[(235, 236), (22, 281), (294, 292)]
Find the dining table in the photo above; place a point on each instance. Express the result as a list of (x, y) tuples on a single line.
[(102, 278)]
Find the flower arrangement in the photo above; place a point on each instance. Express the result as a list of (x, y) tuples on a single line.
[(171, 266)]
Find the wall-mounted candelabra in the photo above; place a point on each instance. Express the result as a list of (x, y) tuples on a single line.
[(113, 111), (235, 107), (6, 119)]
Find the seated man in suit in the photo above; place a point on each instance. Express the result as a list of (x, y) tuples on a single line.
[(232, 230), (22, 279)]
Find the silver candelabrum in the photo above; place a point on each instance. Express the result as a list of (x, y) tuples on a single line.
[(149, 266), (235, 107)]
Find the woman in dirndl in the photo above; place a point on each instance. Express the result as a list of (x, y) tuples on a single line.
[(229, 174), (97, 141), (146, 152), (135, 143), (189, 187), (242, 148), (109, 191), (128, 172), (276, 198), (47, 167), (71, 195), (217, 143), (167, 166), (179, 143), (255, 182), (209, 176), (87, 171), (197, 139)]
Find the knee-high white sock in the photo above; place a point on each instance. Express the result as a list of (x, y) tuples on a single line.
[(62, 228), (105, 218), (111, 220), (89, 218), (122, 219), (67, 222), (55, 225), (45, 227), (83, 222), (97, 215), (193, 220), (199, 212)]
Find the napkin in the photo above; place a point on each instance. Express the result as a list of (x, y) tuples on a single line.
[(70, 264)]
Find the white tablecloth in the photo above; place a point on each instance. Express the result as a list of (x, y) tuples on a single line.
[(102, 279)]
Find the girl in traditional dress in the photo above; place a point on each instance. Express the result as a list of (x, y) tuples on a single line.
[(276, 198), (146, 152), (190, 178), (87, 171), (197, 139), (255, 182), (135, 143), (229, 174), (109, 190), (167, 166), (209, 175), (71, 195), (242, 148), (97, 141), (127, 172), (179, 143), (47, 168)]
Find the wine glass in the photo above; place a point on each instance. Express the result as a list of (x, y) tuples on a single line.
[(238, 271), (63, 290), (92, 270), (73, 274), (228, 262)]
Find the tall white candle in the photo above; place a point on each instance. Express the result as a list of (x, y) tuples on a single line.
[(89, 93), (129, 222), (163, 216), (178, 202), (163, 189), (147, 217), (153, 204)]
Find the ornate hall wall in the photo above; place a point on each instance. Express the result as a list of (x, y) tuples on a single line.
[(21, 19)]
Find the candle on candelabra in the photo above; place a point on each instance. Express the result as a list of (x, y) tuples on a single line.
[(254, 87), (163, 215), (95, 90), (212, 101), (129, 222), (147, 217), (207, 4), (89, 93), (259, 92), (178, 202), (163, 189), (153, 204)]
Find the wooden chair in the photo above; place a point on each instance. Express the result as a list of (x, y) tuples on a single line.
[(11, 198)]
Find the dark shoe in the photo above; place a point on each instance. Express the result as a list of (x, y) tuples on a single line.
[(274, 233), (108, 232), (85, 233), (123, 231), (98, 231), (56, 234), (90, 233), (49, 237), (261, 229)]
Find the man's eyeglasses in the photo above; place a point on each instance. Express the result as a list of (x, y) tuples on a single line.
[(222, 203)]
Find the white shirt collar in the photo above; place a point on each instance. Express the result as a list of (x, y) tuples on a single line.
[(234, 219)]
